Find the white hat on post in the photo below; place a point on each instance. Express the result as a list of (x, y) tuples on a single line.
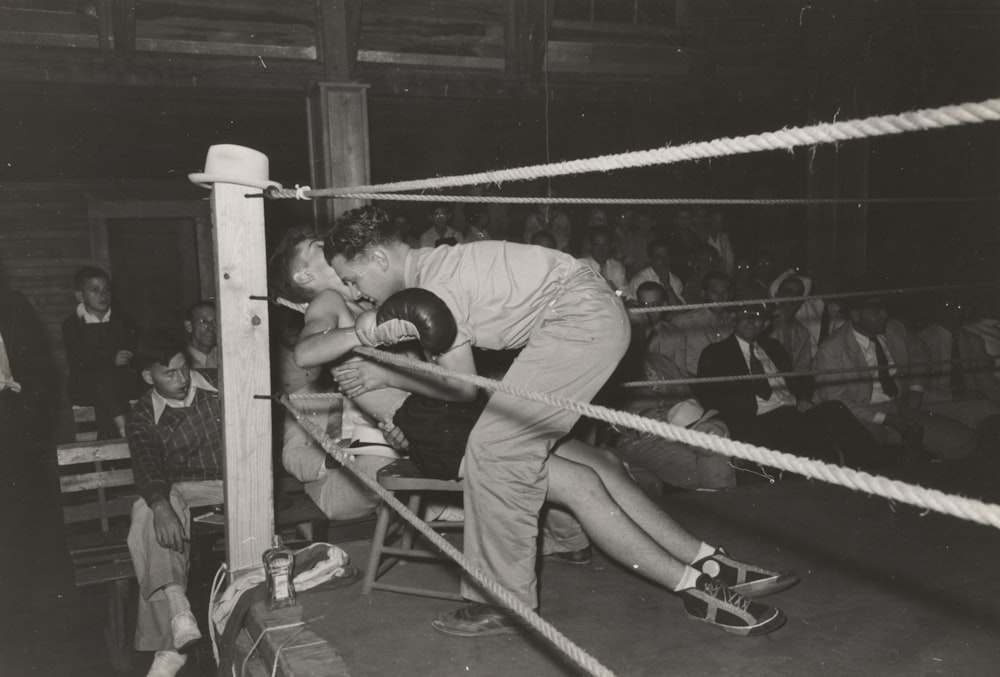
[(229, 163)]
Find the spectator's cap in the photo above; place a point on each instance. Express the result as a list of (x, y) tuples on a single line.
[(228, 163), (688, 414)]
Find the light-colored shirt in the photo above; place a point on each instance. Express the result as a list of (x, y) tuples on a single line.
[(90, 318), (780, 395), (160, 402), (700, 328), (200, 360), (613, 271), (647, 274), (495, 289)]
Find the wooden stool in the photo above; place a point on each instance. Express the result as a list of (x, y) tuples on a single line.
[(403, 476)]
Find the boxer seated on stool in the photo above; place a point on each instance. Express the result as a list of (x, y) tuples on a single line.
[(175, 437), (572, 330), (589, 481)]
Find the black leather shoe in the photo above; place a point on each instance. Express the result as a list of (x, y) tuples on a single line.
[(476, 620), (582, 556)]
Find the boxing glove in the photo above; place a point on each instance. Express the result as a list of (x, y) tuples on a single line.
[(420, 312)]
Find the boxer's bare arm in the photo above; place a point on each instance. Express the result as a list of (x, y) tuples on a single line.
[(328, 333)]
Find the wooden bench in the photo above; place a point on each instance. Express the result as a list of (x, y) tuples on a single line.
[(98, 492)]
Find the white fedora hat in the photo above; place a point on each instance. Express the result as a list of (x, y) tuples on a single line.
[(688, 414), (229, 163)]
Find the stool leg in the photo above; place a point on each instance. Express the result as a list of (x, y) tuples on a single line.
[(408, 531), (375, 556)]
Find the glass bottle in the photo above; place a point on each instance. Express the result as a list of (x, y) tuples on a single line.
[(279, 568)]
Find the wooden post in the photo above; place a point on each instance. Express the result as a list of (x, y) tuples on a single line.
[(244, 372), (338, 143)]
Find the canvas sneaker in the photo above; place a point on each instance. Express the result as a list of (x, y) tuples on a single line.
[(184, 629), (166, 664), (746, 579), (710, 601)]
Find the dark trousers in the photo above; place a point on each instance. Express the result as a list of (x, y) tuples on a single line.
[(828, 432), (109, 392)]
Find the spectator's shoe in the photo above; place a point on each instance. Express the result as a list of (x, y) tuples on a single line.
[(709, 601), (477, 620), (745, 579), (582, 556), (184, 629), (166, 664)]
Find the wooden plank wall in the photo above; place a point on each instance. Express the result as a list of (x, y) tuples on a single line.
[(44, 238)]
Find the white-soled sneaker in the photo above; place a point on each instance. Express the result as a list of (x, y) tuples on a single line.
[(746, 579), (710, 601), (184, 629), (166, 664)]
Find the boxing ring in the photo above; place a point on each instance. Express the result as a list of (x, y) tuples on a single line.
[(235, 210)]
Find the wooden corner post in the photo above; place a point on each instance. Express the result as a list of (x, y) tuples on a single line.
[(241, 272)]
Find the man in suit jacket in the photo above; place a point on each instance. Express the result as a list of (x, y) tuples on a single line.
[(775, 412), (886, 394)]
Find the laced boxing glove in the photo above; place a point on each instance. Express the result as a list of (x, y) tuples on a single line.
[(416, 313)]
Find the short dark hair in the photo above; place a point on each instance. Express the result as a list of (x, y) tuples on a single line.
[(359, 230), (85, 273), (650, 286), (156, 347), (281, 267), (204, 303)]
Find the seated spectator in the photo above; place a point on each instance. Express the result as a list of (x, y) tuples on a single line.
[(704, 326), (658, 270), (334, 489), (468, 231), (762, 270), (811, 313), (705, 260), (544, 238), (889, 399), (478, 218), (99, 349), (718, 238), (175, 437), (787, 329), (601, 244), (405, 229), (549, 219), (968, 382), (200, 328), (633, 236), (776, 412), (440, 216)]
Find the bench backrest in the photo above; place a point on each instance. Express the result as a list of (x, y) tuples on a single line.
[(96, 481)]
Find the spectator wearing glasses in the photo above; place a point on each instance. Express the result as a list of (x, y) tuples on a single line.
[(202, 339), (776, 412)]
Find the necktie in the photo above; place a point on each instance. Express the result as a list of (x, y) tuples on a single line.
[(824, 323), (957, 372), (762, 388), (888, 385)]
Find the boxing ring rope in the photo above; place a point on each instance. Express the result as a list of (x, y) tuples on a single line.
[(833, 295), (546, 629), (930, 499), (910, 366), (521, 200), (782, 139)]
